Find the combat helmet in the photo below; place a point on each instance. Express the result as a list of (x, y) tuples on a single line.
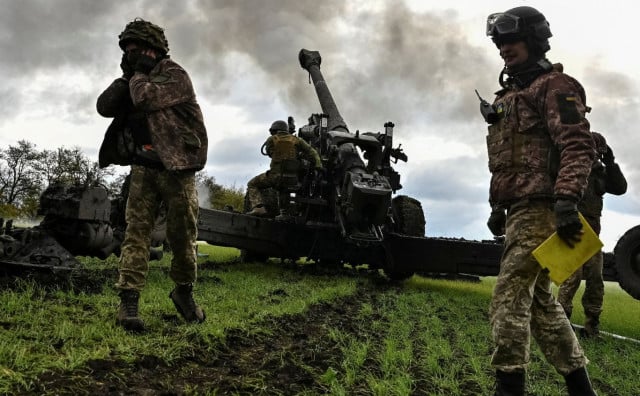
[(146, 32), (520, 23), (278, 126)]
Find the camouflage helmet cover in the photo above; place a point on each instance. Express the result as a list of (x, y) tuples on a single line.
[(146, 32), (278, 126)]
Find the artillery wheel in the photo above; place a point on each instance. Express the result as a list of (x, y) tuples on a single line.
[(627, 258), (408, 216), (409, 219)]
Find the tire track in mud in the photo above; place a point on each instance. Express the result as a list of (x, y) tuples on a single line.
[(281, 355)]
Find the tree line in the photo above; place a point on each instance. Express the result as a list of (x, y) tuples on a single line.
[(25, 172)]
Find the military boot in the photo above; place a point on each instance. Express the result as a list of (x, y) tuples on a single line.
[(509, 384), (128, 311), (578, 383), (591, 326), (182, 297)]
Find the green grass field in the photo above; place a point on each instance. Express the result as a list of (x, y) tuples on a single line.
[(283, 329)]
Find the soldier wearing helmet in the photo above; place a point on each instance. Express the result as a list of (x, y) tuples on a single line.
[(144, 33), (540, 152), (286, 151), (605, 177), (158, 129)]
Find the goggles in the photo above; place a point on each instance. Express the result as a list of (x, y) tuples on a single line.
[(501, 23)]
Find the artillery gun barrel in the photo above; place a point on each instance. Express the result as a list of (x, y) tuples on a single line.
[(310, 61)]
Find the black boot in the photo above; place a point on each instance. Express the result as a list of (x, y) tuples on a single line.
[(578, 383), (128, 311), (591, 326), (182, 298), (509, 384)]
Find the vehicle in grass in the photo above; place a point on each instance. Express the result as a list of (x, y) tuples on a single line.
[(77, 220)]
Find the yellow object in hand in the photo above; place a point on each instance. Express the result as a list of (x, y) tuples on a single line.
[(560, 260)]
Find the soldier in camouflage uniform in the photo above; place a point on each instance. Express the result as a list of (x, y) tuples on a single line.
[(284, 149), (605, 177), (158, 129), (540, 153)]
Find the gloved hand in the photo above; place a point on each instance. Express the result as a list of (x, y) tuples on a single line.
[(568, 223), (127, 70), (608, 158), (144, 63), (497, 221)]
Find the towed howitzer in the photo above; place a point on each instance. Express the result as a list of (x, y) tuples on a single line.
[(349, 215), (345, 214), (77, 220), (359, 193)]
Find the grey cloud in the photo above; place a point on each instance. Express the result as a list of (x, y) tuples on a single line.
[(453, 194), (462, 179), (74, 104), (234, 151), (234, 175), (458, 220), (40, 34), (628, 203), (10, 102), (393, 65), (614, 98), (418, 63)]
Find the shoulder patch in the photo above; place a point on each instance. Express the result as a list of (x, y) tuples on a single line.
[(160, 78), (568, 108)]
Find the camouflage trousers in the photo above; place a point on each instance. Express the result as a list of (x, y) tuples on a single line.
[(593, 295), (149, 187), (253, 189), (523, 304)]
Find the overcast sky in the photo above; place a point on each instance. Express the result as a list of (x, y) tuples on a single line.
[(415, 63)]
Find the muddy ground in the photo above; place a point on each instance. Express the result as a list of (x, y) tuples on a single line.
[(287, 356)]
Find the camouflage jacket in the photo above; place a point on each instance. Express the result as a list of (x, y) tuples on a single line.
[(602, 179), (541, 147), (174, 118), (283, 146)]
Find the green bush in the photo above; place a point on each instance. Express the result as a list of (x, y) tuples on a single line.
[(228, 196)]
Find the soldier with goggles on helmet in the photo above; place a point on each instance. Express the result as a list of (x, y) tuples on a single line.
[(540, 152)]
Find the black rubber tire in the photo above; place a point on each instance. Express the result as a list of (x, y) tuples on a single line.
[(409, 219), (627, 258), (408, 216)]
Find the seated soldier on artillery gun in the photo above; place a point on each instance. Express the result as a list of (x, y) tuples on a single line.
[(286, 151)]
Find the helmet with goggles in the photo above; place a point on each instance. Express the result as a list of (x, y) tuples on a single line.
[(520, 24)]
